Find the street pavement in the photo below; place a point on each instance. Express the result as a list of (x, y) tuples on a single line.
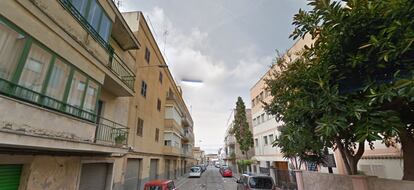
[(211, 179)]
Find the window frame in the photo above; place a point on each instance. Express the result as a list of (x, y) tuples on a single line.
[(157, 134), (159, 105), (140, 127), (18, 71), (144, 87), (82, 18)]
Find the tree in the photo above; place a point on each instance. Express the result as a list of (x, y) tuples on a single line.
[(355, 84), (244, 136)]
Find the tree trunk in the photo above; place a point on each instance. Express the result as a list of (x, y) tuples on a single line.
[(350, 161), (407, 143)]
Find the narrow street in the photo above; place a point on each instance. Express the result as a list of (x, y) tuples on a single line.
[(211, 179)]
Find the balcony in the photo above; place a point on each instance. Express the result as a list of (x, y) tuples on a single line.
[(111, 133), (120, 69), (24, 94), (187, 135), (41, 122), (126, 41), (171, 150)]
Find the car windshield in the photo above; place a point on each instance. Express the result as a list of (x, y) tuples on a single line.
[(261, 183), (153, 188), (195, 169)]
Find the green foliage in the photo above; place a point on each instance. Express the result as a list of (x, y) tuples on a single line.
[(348, 87), (241, 131), (242, 165)]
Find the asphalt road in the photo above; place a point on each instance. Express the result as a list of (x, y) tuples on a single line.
[(210, 180)]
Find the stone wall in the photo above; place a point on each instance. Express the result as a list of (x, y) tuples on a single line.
[(324, 181)]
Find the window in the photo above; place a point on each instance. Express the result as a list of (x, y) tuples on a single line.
[(58, 80), (94, 14), (271, 138), (265, 140), (167, 143), (256, 142), (147, 55), (254, 122), (91, 97), (77, 90), (140, 127), (159, 105), (12, 44), (160, 77), (157, 135), (144, 88), (262, 117), (35, 68), (43, 77), (253, 103)]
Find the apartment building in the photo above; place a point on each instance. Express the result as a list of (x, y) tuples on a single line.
[(67, 71), (383, 162), (199, 155), (161, 128), (231, 149)]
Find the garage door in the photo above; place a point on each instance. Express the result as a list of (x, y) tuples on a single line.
[(10, 176), (132, 180), (94, 176)]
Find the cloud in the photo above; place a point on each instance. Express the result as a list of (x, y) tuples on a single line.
[(223, 80)]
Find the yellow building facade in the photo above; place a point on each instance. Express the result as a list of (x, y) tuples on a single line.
[(81, 104)]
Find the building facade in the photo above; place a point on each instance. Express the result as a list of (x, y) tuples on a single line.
[(67, 71), (385, 162), (86, 99), (161, 137), (231, 149), (199, 155)]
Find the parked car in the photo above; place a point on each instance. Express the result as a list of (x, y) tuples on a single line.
[(217, 164), (195, 171), (255, 182), (223, 167), (227, 173), (160, 185)]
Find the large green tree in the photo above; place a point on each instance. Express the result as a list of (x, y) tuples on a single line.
[(355, 83), (241, 131)]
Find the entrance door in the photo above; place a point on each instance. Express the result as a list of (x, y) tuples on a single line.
[(10, 176), (94, 176), (132, 179), (153, 169)]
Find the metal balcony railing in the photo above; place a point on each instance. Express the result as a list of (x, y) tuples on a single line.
[(115, 64), (110, 132), (107, 132), (85, 24), (121, 70), (22, 93)]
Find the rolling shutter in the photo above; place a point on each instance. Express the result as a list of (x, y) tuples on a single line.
[(10, 176), (94, 176)]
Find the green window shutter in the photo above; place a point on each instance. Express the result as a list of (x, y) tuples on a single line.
[(10, 176)]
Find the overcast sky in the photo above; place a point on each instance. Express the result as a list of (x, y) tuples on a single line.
[(228, 44)]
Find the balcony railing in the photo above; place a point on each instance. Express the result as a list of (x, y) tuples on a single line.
[(22, 93), (122, 71), (110, 132), (107, 132), (85, 24), (116, 65)]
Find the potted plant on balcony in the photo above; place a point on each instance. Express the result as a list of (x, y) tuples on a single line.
[(119, 139)]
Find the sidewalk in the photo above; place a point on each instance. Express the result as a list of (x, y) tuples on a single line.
[(180, 180)]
